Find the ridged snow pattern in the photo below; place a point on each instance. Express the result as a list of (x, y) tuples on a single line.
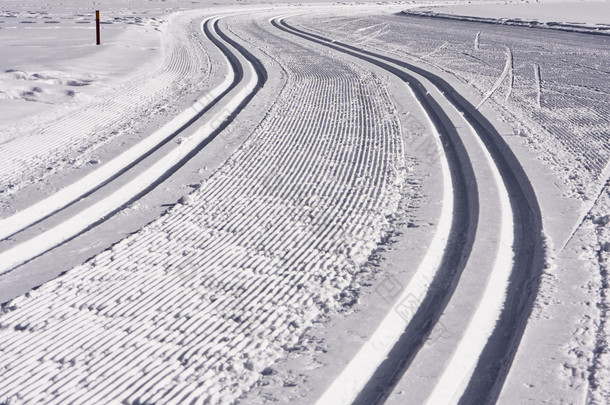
[(198, 303), (557, 93), (29, 156)]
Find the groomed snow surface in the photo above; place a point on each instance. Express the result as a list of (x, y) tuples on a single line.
[(350, 194)]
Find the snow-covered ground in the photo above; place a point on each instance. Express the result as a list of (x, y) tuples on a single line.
[(592, 14), (507, 70), (299, 203), (83, 96)]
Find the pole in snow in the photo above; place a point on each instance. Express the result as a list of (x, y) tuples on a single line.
[(97, 26)]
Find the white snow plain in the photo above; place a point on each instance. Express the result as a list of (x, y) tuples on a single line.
[(244, 290), (589, 13)]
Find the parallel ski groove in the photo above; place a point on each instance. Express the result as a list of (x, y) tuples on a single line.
[(496, 357)]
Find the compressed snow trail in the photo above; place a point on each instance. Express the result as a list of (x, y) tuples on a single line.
[(483, 355), (360, 369), (460, 196), (115, 167), (450, 387), (195, 306), (93, 214)]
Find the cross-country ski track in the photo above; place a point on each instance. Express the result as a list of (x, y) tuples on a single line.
[(502, 311), (121, 165), (201, 302)]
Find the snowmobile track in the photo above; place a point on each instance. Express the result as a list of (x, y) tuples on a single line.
[(495, 360)]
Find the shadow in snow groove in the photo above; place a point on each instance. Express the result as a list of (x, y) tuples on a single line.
[(497, 356)]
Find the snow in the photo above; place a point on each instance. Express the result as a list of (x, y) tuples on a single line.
[(346, 386), (306, 239), (461, 367), (588, 13), (59, 70), (467, 64), (586, 17), (253, 260), (87, 95), (104, 207), (94, 179)]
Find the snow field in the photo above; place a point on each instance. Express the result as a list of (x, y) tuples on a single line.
[(209, 295), (586, 16), (105, 206), (200, 303), (43, 150)]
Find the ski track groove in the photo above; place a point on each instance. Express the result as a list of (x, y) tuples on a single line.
[(217, 290), (506, 73), (538, 85)]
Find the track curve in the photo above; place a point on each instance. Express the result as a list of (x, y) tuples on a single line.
[(496, 357), (192, 308), (160, 165), (197, 304)]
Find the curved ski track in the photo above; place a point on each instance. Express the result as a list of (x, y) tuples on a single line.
[(164, 163), (193, 307), (496, 357)]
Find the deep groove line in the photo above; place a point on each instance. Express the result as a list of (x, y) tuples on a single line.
[(498, 354)]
